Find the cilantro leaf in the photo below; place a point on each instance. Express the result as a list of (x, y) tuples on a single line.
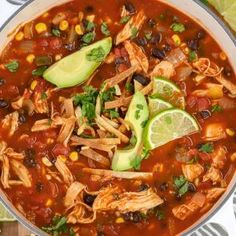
[(39, 71), (192, 56), (124, 19), (104, 29), (90, 26), (56, 32), (134, 32), (12, 66), (178, 27), (96, 54), (181, 184), (207, 147), (160, 214), (216, 108), (129, 87), (113, 113), (88, 38), (108, 95)]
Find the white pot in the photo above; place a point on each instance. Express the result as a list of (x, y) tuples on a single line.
[(194, 8)]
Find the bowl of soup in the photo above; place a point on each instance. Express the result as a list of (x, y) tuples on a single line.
[(116, 117)]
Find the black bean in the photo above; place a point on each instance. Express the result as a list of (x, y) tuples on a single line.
[(158, 53), (78, 148), (39, 187), (89, 9), (155, 39), (143, 187), (193, 44), (134, 217), (201, 34), (178, 197), (2, 81), (141, 41), (164, 186), (119, 61), (89, 199), (70, 46), (141, 79), (227, 71), (130, 8), (53, 160), (205, 114), (29, 159), (191, 187), (3, 103), (99, 233), (151, 22), (22, 118), (167, 47)]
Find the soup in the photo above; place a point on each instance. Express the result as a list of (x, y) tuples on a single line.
[(117, 118)]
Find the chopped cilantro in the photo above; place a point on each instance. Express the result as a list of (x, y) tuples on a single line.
[(124, 19), (90, 26), (144, 123), (108, 95), (39, 71), (44, 96), (129, 87), (104, 29), (177, 27), (216, 108), (96, 54), (12, 66), (133, 140), (159, 214), (140, 106), (113, 113), (192, 56), (207, 147), (181, 185), (88, 38), (137, 114), (134, 32), (56, 32)]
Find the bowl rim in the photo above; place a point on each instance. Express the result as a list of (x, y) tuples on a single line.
[(200, 222)]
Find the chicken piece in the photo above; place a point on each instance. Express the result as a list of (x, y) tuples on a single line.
[(40, 103), (164, 69), (67, 108), (214, 132), (12, 154), (192, 171), (64, 171), (213, 175), (214, 193), (134, 24), (22, 172), (183, 211), (10, 122), (137, 56), (219, 157), (114, 199), (227, 84), (213, 91), (5, 171)]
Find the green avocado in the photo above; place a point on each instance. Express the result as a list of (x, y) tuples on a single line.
[(78, 67), (136, 116)]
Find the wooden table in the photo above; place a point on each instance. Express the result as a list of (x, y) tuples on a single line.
[(13, 229)]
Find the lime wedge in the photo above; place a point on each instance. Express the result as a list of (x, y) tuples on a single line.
[(156, 105), (168, 91), (168, 126), (227, 8), (5, 216)]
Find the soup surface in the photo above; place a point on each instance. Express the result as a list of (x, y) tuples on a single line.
[(132, 135)]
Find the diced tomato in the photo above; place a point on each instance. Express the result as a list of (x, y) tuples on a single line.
[(60, 149), (204, 185), (42, 42), (55, 43), (44, 213), (204, 156), (203, 103), (12, 91)]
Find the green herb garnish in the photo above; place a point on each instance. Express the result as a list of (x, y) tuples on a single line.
[(208, 148), (56, 32), (39, 71), (216, 108), (134, 32), (192, 56), (124, 19), (96, 54), (104, 29), (129, 87), (44, 96), (90, 26), (113, 113), (160, 214), (88, 38), (181, 185), (12, 66), (178, 27), (108, 95)]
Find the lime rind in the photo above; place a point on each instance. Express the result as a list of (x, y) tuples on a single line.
[(5, 216)]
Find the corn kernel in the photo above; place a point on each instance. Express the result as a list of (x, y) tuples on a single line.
[(74, 156), (62, 158), (223, 56), (90, 18), (63, 25), (176, 39), (120, 220), (49, 202), (40, 28), (58, 57), (19, 36), (81, 16), (46, 162), (33, 84), (215, 92), (30, 58), (78, 30), (230, 132), (233, 157)]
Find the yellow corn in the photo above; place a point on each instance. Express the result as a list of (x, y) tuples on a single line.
[(62, 157), (78, 30), (63, 25), (81, 16), (74, 156), (176, 39), (40, 28), (46, 162), (58, 57), (33, 84), (90, 18), (30, 58), (230, 132), (120, 220), (19, 36), (223, 56), (48, 202), (215, 92)]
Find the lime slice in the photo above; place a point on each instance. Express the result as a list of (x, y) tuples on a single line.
[(168, 126), (167, 90), (156, 105), (5, 215), (227, 8)]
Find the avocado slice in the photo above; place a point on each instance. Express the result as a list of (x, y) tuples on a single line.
[(135, 117), (78, 67)]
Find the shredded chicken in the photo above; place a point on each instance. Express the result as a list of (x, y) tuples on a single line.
[(164, 69), (41, 104), (67, 108), (136, 56), (10, 122), (214, 175), (192, 171), (22, 172), (214, 132), (227, 84), (64, 171), (183, 211), (5, 171), (219, 157), (214, 193), (135, 23)]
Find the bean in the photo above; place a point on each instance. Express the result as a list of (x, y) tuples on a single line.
[(22, 118), (193, 44), (141, 41), (143, 187), (141, 79), (2, 81), (130, 7), (39, 187), (89, 9), (158, 53), (89, 199), (151, 22), (155, 39), (191, 187), (3, 103), (29, 159), (205, 114), (164, 186)]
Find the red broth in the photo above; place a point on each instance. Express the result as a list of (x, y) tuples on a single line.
[(45, 198)]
